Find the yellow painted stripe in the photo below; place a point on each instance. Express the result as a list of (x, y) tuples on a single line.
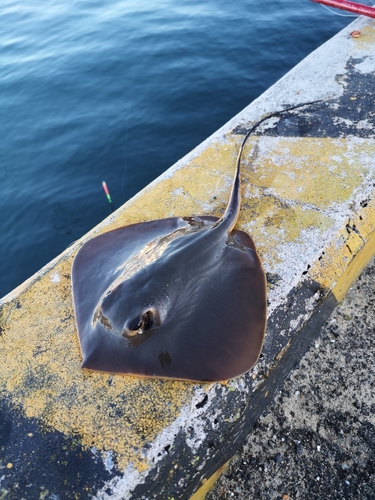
[(201, 493), (355, 268), (351, 249)]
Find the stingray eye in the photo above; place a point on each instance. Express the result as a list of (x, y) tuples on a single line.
[(143, 323)]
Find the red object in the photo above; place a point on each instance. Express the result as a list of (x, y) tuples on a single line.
[(105, 188), (357, 8)]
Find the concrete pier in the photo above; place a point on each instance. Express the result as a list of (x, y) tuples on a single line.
[(309, 204)]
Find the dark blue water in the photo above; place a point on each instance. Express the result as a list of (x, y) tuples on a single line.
[(119, 90)]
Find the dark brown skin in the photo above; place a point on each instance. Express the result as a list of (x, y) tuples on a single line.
[(180, 298), (200, 305)]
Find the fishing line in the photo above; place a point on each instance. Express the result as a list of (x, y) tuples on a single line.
[(337, 13)]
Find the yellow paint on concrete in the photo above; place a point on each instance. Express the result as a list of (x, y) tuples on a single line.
[(345, 258), (279, 223), (207, 484), (315, 172), (292, 184), (40, 371), (355, 268)]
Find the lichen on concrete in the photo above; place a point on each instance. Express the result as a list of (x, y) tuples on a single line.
[(41, 376)]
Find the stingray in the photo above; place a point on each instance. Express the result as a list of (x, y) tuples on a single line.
[(181, 297)]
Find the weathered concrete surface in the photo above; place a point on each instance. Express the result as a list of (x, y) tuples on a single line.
[(308, 201), (317, 440)]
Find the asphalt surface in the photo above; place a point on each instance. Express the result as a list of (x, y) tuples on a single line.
[(317, 440)]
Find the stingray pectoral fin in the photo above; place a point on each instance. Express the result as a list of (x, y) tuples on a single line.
[(235, 319), (105, 352), (114, 354)]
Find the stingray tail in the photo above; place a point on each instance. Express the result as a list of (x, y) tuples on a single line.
[(229, 219)]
